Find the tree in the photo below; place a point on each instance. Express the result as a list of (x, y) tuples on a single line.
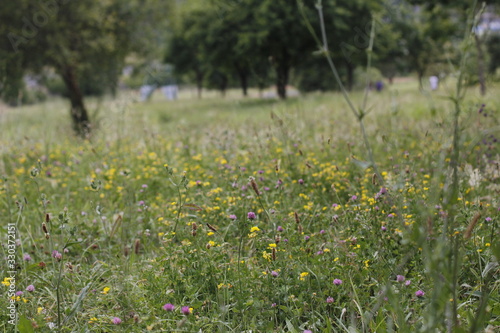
[(188, 49), (286, 39), (76, 38)]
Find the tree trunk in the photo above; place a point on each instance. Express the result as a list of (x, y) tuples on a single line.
[(223, 85), (282, 80), (244, 83), (480, 66), (199, 82), (420, 73), (79, 115), (350, 76)]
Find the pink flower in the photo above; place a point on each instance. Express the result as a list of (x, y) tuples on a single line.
[(419, 293), (329, 299), (337, 282), (57, 255), (274, 273), (30, 288), (169, 307), (400, 278), (185, 310), (117, 321), (251, 215)]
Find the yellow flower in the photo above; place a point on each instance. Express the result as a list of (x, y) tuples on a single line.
[(272, 245), (105, 290), (6, 281), (303, 276), (254, 229)]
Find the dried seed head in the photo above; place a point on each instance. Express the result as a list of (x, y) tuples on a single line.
[(299, 229), (44, 228), (47, 235), (472, 225), (254, 186), (126, 251), (211, 228), (47, 217), (296, 217), (208, 246), (273, 255), (374, 179), (137, 246)]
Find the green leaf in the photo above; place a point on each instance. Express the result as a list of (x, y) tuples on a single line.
[(24, 325)]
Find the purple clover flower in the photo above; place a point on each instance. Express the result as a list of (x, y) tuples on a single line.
[(169, 307)]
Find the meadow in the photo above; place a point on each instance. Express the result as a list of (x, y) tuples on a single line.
[(253, 215)]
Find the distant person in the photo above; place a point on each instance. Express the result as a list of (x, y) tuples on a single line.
[(170, 91), (434, 82), (379, 85), (146, 91)]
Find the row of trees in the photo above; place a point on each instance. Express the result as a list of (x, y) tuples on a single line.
[(218, 42), (256, 41)]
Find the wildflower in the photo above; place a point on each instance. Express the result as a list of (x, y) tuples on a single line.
[(321, 232), (117, 321), (185, 310), (274, 273), (57, 255), (232, 217), (329, 299), (280, 228), (301, 181), (26, 257), (303, 276), (254, 229), (30, 288), (354, 198), (419, 293), (306, 237), (105, 290), (488, 219), (273, 305), (307, 331), (169, 307), (384, 228), (337, 282), (407, 282), (251, 215), (19, 293), (400, 278)]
